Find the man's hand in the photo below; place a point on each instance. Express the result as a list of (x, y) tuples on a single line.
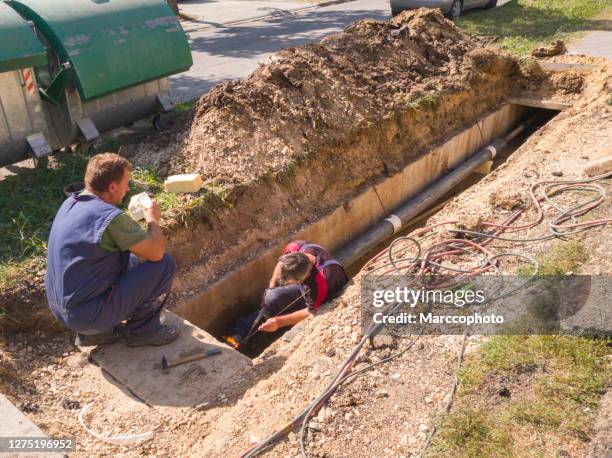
[(270, 325), (153, 213), (152, 248), (281, 321)]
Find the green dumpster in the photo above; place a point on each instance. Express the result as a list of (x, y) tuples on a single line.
[(22, 121), (110, 62)]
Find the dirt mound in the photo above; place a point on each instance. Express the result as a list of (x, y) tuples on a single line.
[(320, 94)]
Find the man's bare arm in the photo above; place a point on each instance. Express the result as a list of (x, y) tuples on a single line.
[(151, 248), (282, 321), (274, 281)]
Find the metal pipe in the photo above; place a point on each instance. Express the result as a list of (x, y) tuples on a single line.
[(358, 248)]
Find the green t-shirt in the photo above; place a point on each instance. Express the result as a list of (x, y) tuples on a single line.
[(122, 232)]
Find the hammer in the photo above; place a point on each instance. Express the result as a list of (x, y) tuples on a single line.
[(165, 365)]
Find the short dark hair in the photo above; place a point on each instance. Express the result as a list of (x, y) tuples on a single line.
[(294, 266), (104, 169)]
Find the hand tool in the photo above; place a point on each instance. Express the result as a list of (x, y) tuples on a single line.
[(165, 364)]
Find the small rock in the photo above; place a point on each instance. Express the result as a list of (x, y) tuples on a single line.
[(506, 199), (314, 425), (324, 415), (382, 394), (504, 392), (396, 377), (557, 173), (163, 170), (423, 428), (69, 404), (29, 407), (383, 341), (253, 439)]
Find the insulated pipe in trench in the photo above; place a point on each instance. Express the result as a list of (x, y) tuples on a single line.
[(351, 253)]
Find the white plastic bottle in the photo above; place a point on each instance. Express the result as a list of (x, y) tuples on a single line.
[(137, 205)]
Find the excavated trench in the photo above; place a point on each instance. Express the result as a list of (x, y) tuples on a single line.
[(239, 291)]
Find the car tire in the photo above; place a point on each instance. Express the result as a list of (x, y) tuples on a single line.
[(455, 10), (491, 4)]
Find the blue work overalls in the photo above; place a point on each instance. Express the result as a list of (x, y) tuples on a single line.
[(91, 290)]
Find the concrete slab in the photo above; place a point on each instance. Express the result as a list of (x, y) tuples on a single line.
[(560, 67), (595, 316), (15, 424), (547, 104), (597, 43), (184, 386)]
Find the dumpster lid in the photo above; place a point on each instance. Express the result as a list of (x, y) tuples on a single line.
[(111, 44), (20, 46)]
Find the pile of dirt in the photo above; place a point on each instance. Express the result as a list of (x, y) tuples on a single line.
[(315, 96)]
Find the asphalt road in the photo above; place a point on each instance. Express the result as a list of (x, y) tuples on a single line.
[(233, 50)]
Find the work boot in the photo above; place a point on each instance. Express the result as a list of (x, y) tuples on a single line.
[(104, 338), (163, 335)]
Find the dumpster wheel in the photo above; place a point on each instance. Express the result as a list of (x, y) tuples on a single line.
[(160, 122)]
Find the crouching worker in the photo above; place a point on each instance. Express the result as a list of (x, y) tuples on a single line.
[(95, 284)]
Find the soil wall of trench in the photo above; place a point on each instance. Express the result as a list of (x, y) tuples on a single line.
[(214, 306)]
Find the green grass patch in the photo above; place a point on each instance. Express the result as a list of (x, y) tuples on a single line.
[(562, 258), (555, 383), (522, 25), (471, 433), (182, 107), (148, 180), (29, 202), (429, 101)]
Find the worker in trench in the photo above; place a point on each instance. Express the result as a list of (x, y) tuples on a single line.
[(96, 284), (305, 277)]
